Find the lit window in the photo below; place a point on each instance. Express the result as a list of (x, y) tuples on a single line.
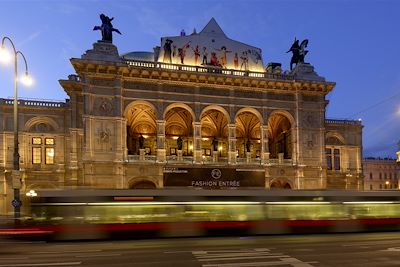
[(37, 155), (49, 141), (36, 140), (49, 155)]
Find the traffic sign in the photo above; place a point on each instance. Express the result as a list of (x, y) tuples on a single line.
[(16, 203)]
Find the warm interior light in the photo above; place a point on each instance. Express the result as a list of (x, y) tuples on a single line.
[(204, 138), (145, 136), (174, 137), (50, 153), (220, 148), (27, 80), (5, 56), (190, 147)]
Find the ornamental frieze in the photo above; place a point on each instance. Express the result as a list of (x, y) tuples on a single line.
[(285, 97)]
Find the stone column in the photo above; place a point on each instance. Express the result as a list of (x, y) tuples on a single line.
[(295, 139), (197, 156), (161, 156), (264, 144), (231, 143)]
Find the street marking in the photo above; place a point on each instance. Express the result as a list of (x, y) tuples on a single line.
[(246, 258), (42, 264), (178, 251), (244, 253), (16, 258), (66, 251), (98, 255)]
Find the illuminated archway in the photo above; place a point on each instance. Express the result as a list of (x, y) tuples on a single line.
[(280, 135), (141, 121), (179, 124), (214, 130), (248, 132)]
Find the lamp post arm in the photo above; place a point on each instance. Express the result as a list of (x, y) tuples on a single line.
[(11, 42), (26, 64)]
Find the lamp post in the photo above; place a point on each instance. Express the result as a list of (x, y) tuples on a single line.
[(16, 182)]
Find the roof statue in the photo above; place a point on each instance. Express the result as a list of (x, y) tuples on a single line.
[(298, 52), (106, 28)]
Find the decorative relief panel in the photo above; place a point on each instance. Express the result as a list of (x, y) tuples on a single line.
[(103, 107), (103, 136), (310, 120)]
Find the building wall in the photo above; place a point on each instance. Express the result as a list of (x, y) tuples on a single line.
[(381, 174)]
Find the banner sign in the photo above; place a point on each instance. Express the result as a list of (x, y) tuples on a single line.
[(214, 178)]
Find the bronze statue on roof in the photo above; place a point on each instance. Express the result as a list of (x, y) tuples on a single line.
[(298, 52), (106, 28)]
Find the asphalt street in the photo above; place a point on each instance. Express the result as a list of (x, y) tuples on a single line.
[(366, 249)]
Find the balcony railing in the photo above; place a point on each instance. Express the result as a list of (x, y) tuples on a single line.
[(347, 122), (209, 69), (33, 103), (208, 160)]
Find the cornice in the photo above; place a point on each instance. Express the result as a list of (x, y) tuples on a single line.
[(113, 70)]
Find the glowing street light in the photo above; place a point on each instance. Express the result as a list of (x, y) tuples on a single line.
[(5, 57), (31, 193)]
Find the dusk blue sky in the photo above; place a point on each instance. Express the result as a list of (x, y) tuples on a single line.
[(354, 43)]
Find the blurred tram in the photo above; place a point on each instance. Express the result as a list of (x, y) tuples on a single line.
[(91, 214)]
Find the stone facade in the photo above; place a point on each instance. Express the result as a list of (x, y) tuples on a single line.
[(257, 121), (381, 174)]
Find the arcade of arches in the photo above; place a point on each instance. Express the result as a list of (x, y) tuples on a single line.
[(215, 132)]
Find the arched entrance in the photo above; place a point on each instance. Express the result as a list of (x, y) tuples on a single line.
[(280, 185), (179, 131), (280, 136), (248, 135), (141, 121), (214, 132), (142, 183)]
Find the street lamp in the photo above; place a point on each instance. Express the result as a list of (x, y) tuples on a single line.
[(5, 57)]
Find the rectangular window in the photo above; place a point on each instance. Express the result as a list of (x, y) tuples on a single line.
[(336, 154), (328, 152), (370, 187), (49, 155), (380, 176), (370, 175), (36, 155), (36, 141), (49, 141)]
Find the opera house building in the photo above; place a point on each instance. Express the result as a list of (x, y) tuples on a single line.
[(199, 111)]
